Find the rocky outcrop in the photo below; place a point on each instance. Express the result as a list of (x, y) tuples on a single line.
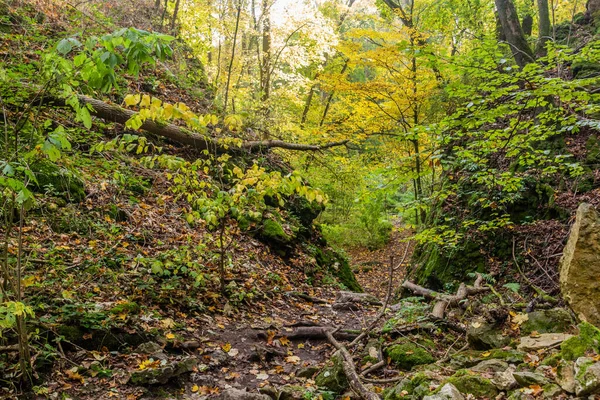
[(580, 265)]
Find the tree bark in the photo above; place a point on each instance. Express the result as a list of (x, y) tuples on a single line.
[(175, 12), (514, 32), (544, 27)]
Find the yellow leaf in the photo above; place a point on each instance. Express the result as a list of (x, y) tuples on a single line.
[(300, 345), (132, 100), (145, 101), (486, 354), (226, 347), (170, 336), (195, 388), (292, 359), (168, 323), (284, 340)]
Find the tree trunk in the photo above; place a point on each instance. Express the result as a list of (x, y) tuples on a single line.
[(265, 84), (175, 12), (235, 35), (514, 32), (114, 113), (544, 27), (527, 24)]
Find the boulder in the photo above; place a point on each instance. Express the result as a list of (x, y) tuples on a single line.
[(543, 341), (554, 320), (587, 377), (447, 392), (580, 265), (482, 335)]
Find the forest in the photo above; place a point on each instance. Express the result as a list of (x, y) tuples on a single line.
[(300, 200)]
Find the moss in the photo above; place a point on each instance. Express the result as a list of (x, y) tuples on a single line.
[(411, 388), (407, 355), (587, 340), (273, 231), (126, 307), (473, 384), (333, 377), (469, 358), (64, 182), (552, 360), (547, 321), (117, 214), (338, 265)]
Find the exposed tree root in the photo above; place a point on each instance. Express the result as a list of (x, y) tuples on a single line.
[(350, 370), (444, 300)]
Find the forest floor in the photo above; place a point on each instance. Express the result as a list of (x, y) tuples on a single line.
[(253, 348)]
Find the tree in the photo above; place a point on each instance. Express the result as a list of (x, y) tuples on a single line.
[(544, 27), (513, 32)]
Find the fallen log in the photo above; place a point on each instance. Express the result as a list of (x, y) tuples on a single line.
[(443, 301), (114, 113)]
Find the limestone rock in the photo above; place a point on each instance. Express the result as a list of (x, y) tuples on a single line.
[(475, 385), (483, 336), (587, 376), (505, 380), (307, 372), (544, 341), (528, 378), (580, 265), (547, 321), (447, 392), (491, 366), (565, 376)]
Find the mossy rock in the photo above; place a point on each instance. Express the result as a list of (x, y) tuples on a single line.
[(407, 355), (577, 346), (410, 388), (484, 336), (333, 378), (476, 385), (272, 231), (339, 266), (555, 320), (155, 376), (470, 358), (63, 181)]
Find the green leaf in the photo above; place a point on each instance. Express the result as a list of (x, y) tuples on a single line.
[(86, 118), (64, 46)]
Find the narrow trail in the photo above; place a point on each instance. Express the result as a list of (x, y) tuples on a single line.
[(258, 349)]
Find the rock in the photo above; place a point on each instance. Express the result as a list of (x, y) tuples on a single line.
[(483, 336), (237, 394), (543, 341), (307, 372), (218, 357), (552, 391), (587, 376), (555, 320), (407, 355), (475, 385), (588, 339), (291, 392), (269, 391), (565, 375), (351, 300), (580, 265), (528, 378), (470, 358), (333, 377), (491, 366), (447, 392), (413, 388), (161, 375), (505, 380), (149, 348)]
